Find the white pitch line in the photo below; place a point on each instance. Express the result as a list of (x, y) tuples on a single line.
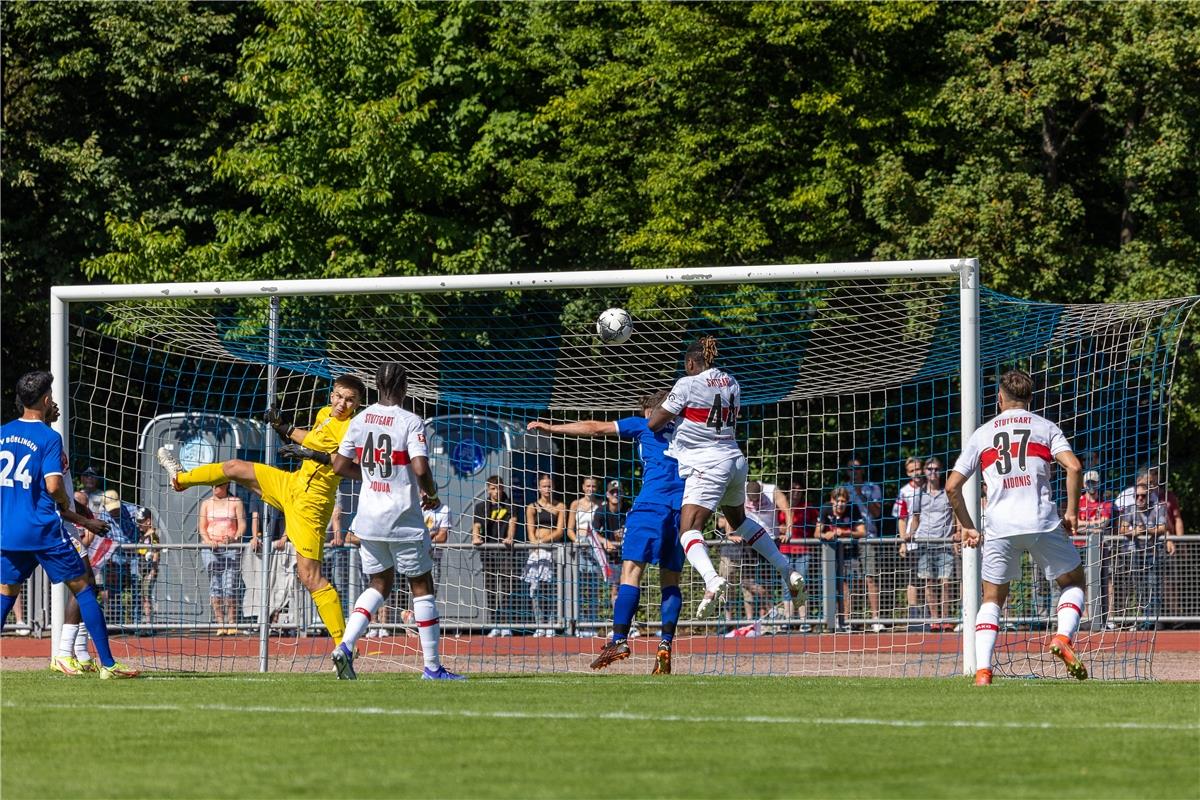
[(623, 716)]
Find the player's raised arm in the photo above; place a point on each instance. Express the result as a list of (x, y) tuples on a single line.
[(587, 427)]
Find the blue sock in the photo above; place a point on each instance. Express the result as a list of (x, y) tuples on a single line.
[(624, 609), (672, 604), (93, 620), (6, 605)]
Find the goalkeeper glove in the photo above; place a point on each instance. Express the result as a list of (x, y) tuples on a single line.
[(282, 426), (297, 451)]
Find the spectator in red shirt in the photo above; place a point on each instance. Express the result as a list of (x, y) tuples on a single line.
[(1096, 519), (798, 522)]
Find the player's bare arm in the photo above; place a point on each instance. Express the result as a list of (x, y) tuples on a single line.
[(954, 484), (1070, 463), (659, 418), (420, 468), (587, 427), (57, 489), (347, 468)]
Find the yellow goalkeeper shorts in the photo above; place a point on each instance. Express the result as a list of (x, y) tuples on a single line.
[(305, 513)]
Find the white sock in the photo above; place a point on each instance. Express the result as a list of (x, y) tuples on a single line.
[(1070, 609), (429, 629), (81, 642), (987, 626), (364, 608), (697, 555), (66, 640), (764, 545)]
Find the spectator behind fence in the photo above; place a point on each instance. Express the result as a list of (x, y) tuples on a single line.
[(840, 526), (902, 511), (1095, 523), (798, 521), (115, 577), (148, 557), (932, 518), (1144, 527), (738, 565), (283, 577), (495, 522), (609, 523), (545, 523), (1175, 571), (222, 524), (89, 481), (595, 570), (438, 521), (868, 498)]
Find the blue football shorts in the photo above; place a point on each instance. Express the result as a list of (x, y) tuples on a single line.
[(652, 535), (61, 562)]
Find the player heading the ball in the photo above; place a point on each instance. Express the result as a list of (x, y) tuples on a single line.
[(706, 402)]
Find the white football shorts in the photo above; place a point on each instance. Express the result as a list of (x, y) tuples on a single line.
[(1052, 551), (411, 557), (713, 485)]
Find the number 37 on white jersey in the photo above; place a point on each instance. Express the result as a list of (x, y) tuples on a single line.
[(1015, 451)]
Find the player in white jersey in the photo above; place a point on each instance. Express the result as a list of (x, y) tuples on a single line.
[(706, 402), (384, 447), (1014, 451)]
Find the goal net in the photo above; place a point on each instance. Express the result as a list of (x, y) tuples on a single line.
[(838, 367)]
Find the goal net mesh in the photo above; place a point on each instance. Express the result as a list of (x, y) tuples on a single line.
[(830, 371)]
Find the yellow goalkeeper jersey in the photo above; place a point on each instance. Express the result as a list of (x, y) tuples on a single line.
[(325, 435)]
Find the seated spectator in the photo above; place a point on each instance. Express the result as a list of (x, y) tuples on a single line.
[(222, 524), (840, 526)]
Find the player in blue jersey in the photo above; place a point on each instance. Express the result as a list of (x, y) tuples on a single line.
[(32, 495), (651, 530)]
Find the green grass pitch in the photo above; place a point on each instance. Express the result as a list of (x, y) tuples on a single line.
[(602, 736)]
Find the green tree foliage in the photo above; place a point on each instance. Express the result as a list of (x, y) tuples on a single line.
[(110, 110)]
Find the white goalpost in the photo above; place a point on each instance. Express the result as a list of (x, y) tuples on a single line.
[(875, 360)]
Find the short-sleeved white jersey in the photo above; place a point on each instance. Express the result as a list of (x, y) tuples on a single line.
[(1014, 451), (707, 406), (384, 440), (903, 506), (766, 514)]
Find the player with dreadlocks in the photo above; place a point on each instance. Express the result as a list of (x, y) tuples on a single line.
[(706, 402)]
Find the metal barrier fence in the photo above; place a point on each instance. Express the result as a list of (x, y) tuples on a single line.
[(190, 589)]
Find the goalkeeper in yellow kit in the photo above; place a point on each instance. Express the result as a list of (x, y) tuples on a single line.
[(306, 496)]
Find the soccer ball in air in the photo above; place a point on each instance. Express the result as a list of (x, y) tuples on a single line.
[(614, 326)]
